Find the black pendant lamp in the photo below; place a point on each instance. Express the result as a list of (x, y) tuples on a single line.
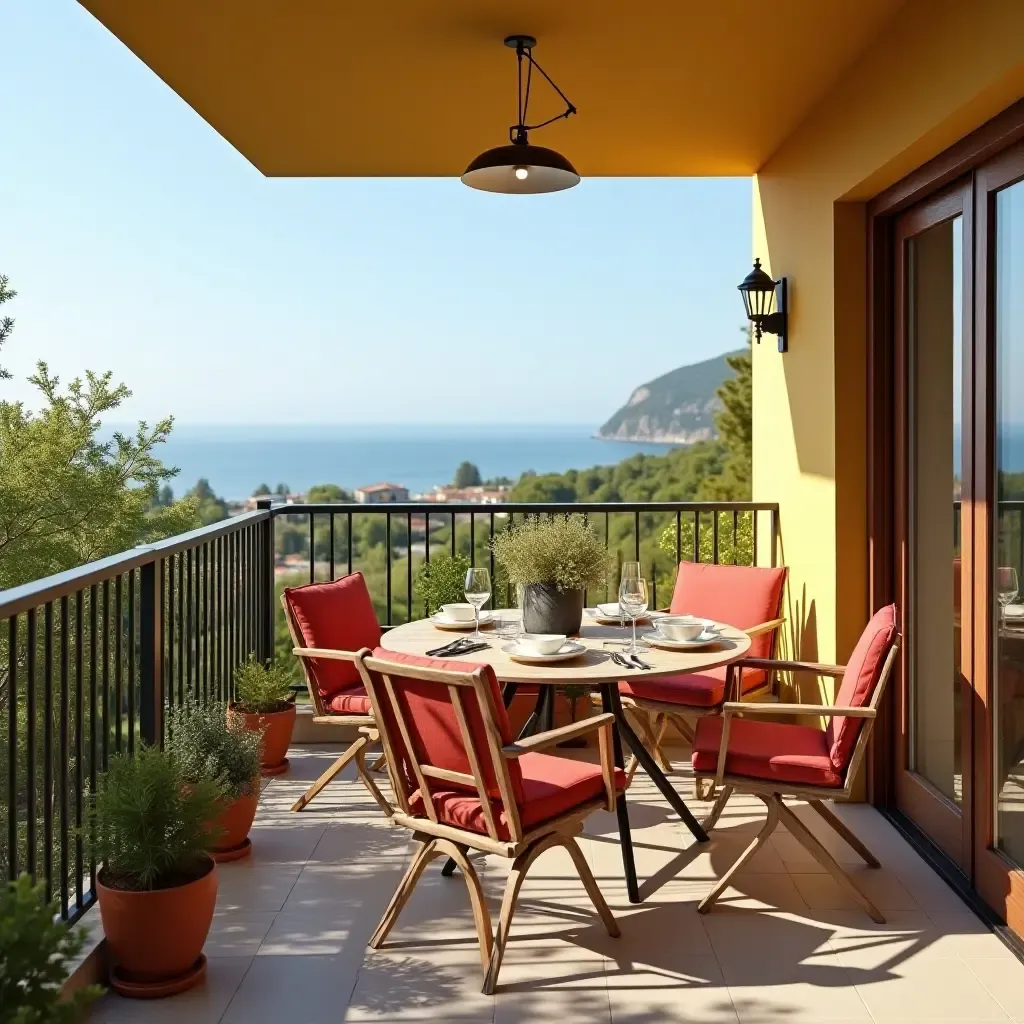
[(522, 168)]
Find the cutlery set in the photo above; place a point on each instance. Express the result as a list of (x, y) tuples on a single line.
[(627, 660), (464, 645)]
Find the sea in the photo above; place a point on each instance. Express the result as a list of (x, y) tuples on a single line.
[(237, 459)]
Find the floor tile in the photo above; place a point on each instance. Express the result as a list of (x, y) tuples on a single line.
[(238, 933), (674, 988), (1003, 979), (204, 1004), (927, 990), (823, 892), (244, 885)]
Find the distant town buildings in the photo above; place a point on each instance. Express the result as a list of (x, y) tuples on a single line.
[(381, 494), (467, 495)]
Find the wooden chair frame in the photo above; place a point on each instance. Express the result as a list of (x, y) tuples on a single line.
[(322, 716), (435, 838), (654, 717), (772, 793)]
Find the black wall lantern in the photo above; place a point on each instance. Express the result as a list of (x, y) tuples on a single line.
[(759, 292), (523, 167)]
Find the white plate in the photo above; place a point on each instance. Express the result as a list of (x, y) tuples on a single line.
[(1014, 611), (570, 649), (655, 639), (613, 619), (443, 622)]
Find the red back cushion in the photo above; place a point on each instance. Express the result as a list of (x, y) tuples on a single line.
[(739, 595), (338, 616), (863, 672), (434, 731)]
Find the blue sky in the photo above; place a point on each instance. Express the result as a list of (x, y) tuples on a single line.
[(141, 242)]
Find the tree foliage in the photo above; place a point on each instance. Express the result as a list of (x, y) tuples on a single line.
[(210, 508), (467, 475)]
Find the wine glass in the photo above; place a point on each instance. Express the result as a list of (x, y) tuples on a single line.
[(1007, 587), (633, 601), (630, 570), (478, 593)]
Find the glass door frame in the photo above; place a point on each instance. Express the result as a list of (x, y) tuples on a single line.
[(946, 823)]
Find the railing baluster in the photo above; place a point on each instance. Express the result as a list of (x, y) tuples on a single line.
[(408, 567), (30, 744), (348, 540), (105, 720), (472, 539), (753, 530), (118, 655), (170, 627), (490, 550), (205, 631), (387, 564), (12, 748), (636, 536), (130, 681), (696, 536), (312, 548), (78, 746), (330, 520), (62, 789), (714, 537), (735, 550), (93, 618), (48, 748)]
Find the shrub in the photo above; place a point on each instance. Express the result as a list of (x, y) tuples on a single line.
[(262, 689), (562, 550), (442, 580), (149, 825), (35, 947), (208, 745)]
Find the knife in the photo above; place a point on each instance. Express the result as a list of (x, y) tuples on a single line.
[(639, 663)]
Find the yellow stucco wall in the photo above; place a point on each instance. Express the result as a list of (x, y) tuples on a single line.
[(939, 69)]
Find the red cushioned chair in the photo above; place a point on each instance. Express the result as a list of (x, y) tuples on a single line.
[(773, 760), (462, 782), (329, 623), (749, 598)]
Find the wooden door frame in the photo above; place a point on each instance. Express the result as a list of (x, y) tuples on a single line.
[(935, 813), (989, 871), (1000, 883)]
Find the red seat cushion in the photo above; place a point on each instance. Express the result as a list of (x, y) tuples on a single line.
[(863, 671), (338, 616), (551, 787), (699, 690), (781, 753), (742, 596), (353, 701)]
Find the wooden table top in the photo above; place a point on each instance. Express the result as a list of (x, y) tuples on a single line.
[(593, 667)]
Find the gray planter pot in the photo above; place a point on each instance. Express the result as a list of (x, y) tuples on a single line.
[(546, 609)]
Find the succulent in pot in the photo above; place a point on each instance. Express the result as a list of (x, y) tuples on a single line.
[(207, 743), (157, 888), (264, 703), (554, 561)]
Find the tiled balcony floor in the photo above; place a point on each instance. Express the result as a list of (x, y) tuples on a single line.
[(288, 944)]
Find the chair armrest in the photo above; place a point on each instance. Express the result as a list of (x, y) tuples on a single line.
[(326, 653), (551, 738), (821, 710), (764, 627), (835, 671)]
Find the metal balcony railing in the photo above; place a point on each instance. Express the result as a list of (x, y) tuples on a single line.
[(90, 659)]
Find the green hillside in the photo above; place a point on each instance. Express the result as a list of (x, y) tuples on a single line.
[(677, 407)]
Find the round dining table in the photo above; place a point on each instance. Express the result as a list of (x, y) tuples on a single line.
[(594, 667)]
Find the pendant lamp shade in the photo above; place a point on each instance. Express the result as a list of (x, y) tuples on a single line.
[(521, 169)]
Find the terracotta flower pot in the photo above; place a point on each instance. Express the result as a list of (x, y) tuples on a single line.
[(234, 823), (156, 937), (277, 736)]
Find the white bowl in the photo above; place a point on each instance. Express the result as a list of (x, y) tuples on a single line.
[(680, 627), (541, 643), (458, 612)]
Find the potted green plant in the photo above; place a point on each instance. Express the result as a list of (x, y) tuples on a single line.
[(554, 561), (35, 948), (150, 828), (265, 703), (442, 580), (209, 744)]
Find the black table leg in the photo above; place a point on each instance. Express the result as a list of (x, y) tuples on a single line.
[(508, 693), (651, 767), (609, 701)]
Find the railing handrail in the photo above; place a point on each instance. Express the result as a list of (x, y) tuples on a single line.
[(465, 508), (15, 600)]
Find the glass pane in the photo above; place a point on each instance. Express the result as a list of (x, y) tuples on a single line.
[(1009, 553), (934, 330)]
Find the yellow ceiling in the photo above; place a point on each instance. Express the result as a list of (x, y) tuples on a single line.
[(419, 87)]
